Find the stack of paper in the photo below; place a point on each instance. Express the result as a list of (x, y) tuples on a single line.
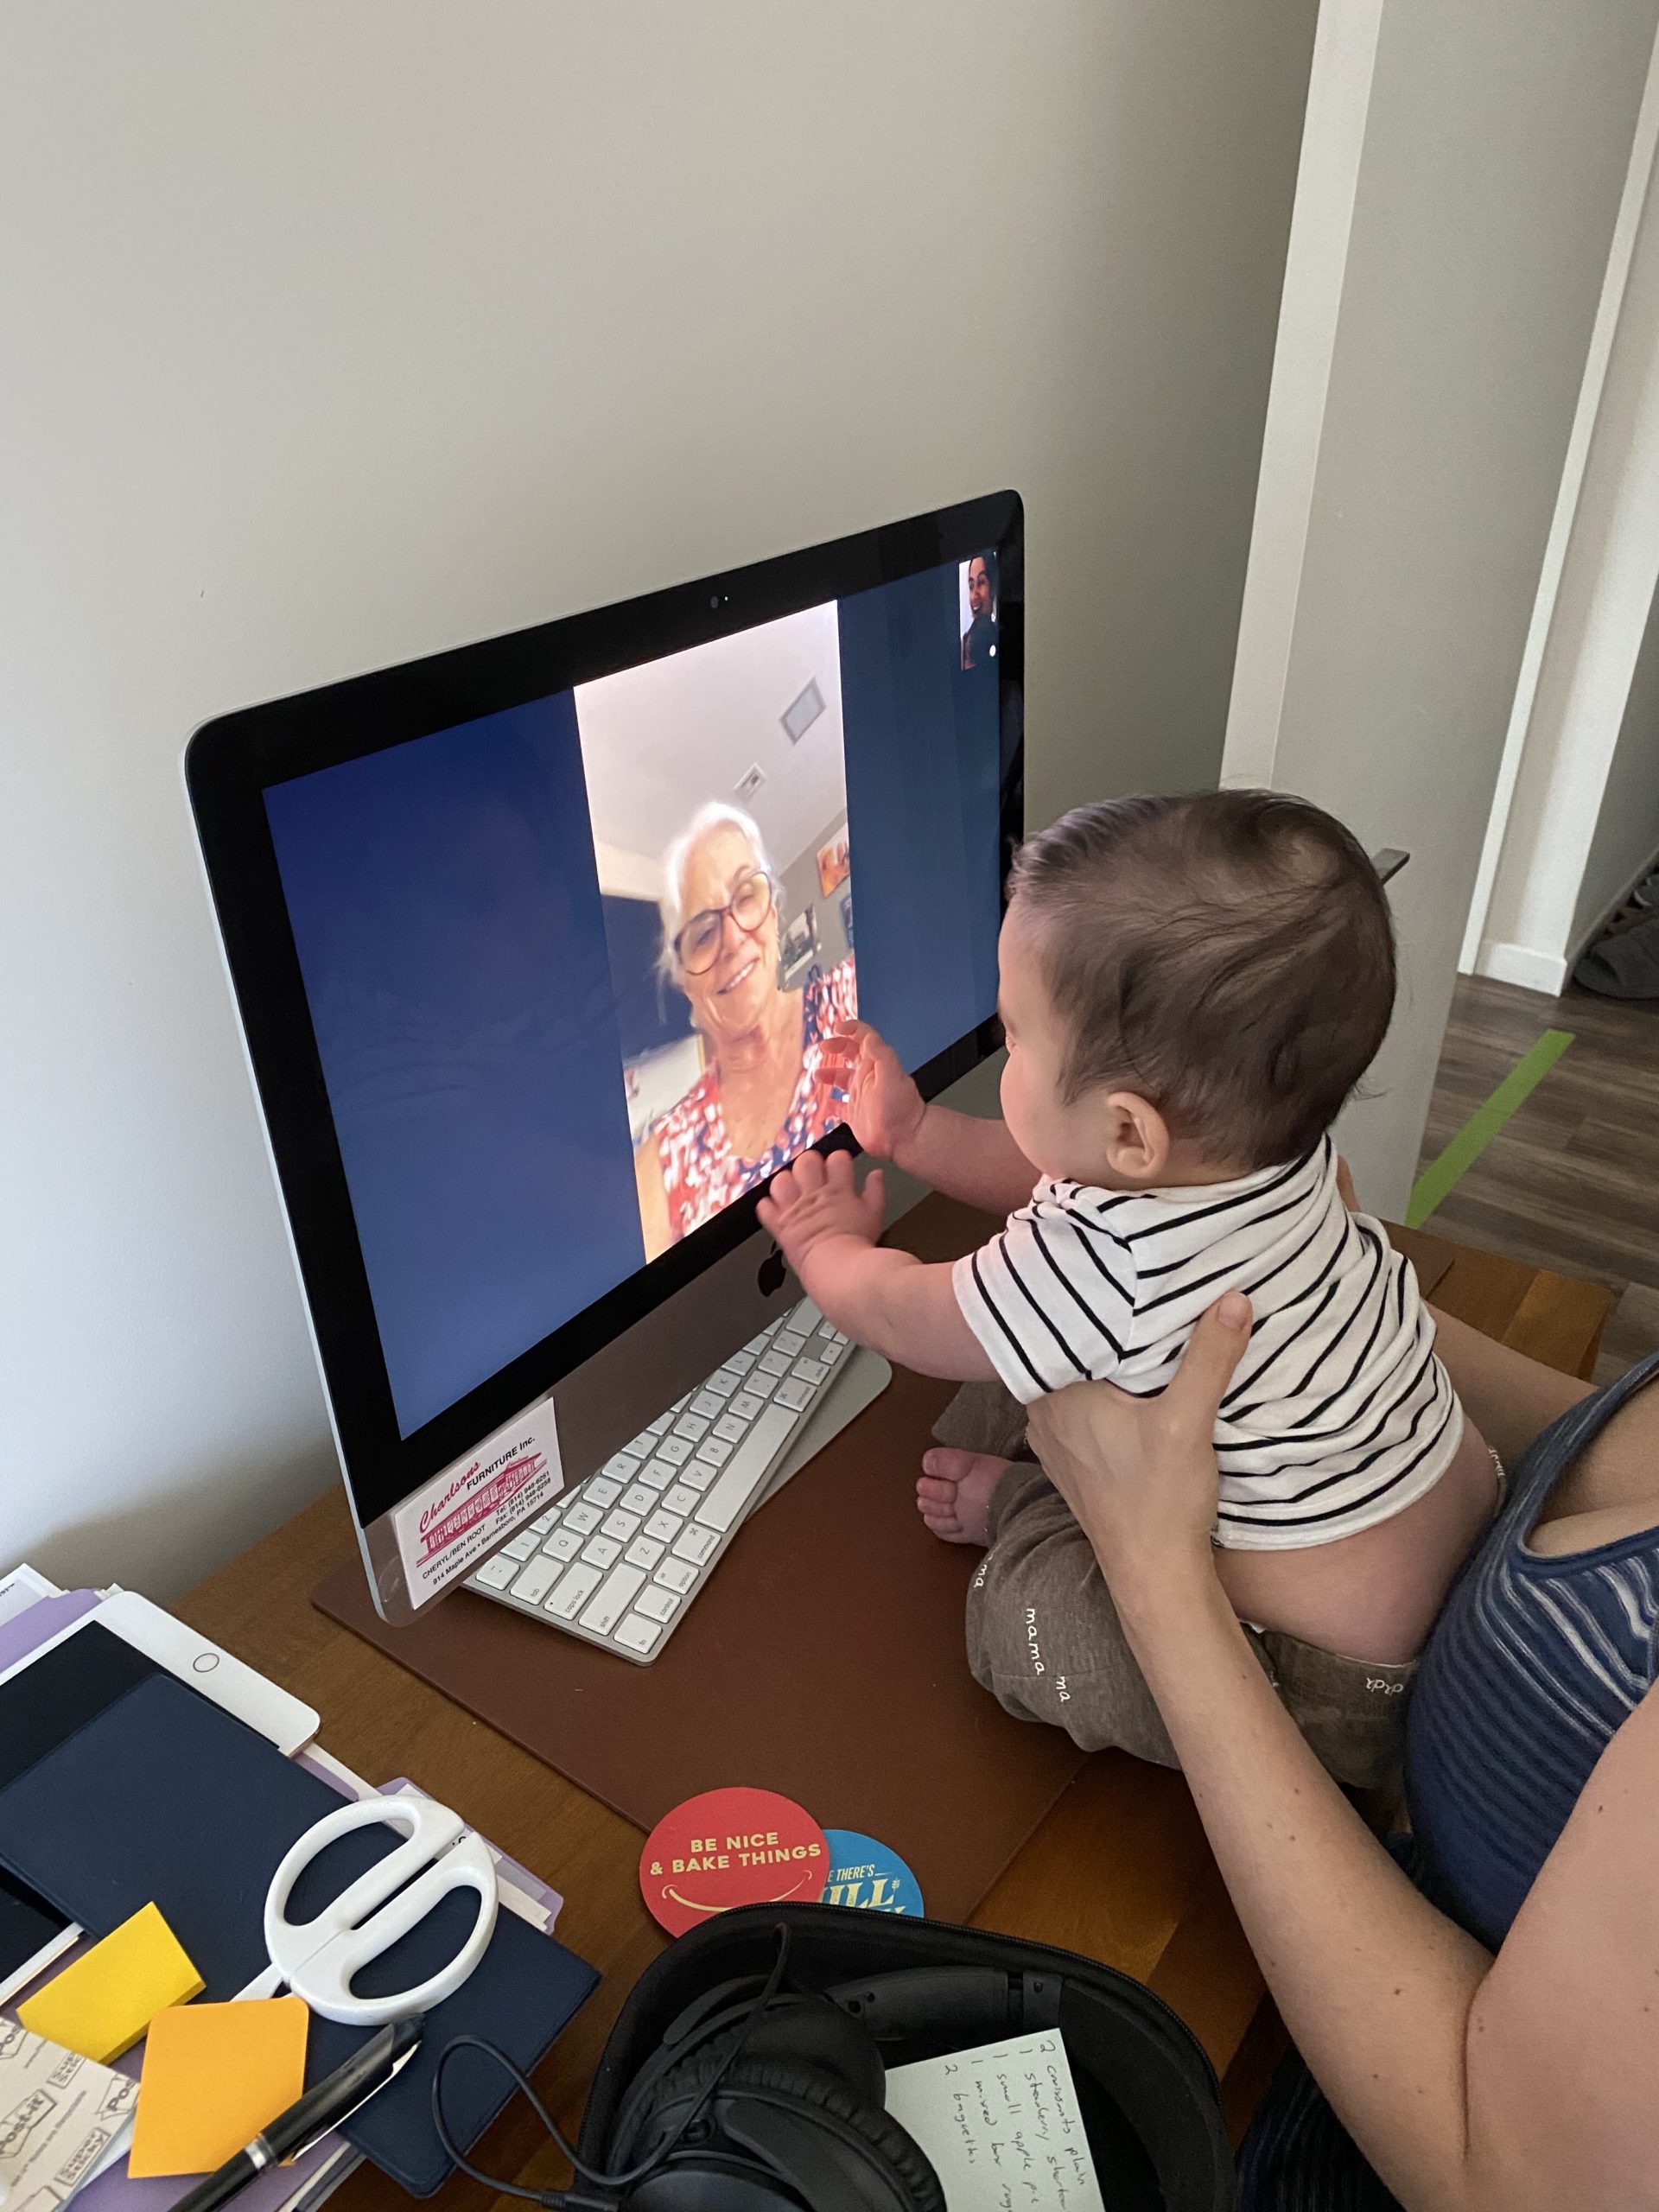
[(64, 2120)]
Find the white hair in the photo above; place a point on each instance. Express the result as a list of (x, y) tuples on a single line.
[(716, 814)]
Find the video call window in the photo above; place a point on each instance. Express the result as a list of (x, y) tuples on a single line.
[(978, 610), (717, 792)]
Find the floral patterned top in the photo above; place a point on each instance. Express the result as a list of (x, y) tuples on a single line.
[(701, 1173)]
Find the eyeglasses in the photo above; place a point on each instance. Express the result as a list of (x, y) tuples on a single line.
[(697, 947)]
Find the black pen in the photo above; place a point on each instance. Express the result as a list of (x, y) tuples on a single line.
[(318, 2112)]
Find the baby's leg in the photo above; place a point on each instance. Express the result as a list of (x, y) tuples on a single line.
[(981, 1429), (1043, 1633)]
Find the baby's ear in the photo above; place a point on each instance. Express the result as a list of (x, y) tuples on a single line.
[(1137, 1137)]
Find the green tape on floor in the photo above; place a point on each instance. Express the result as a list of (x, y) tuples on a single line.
[(1482, 1125)]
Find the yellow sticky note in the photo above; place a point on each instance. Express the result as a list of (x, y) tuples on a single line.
[(214, 2075), (102, 2003)]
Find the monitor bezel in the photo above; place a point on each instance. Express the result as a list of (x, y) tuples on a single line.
[(233, 760)]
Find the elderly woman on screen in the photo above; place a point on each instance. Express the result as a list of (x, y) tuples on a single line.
[(768, 1085)]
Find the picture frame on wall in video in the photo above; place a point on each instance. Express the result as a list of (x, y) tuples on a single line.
[(799, 942)]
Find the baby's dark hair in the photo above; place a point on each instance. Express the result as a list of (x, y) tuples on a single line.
[(1229, 955)]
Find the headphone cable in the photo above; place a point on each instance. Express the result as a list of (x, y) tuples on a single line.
[(569, 2200)]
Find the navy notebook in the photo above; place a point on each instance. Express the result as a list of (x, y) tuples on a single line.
[(162, 1797)]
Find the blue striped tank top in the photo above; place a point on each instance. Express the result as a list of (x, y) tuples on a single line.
[(1534, 1665)]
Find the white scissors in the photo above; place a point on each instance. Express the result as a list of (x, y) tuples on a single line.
[(320, 1958)]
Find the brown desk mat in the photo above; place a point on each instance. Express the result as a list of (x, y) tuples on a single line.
[(825, 1659)]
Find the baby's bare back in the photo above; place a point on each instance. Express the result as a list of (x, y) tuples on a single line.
[(1375, 1595)]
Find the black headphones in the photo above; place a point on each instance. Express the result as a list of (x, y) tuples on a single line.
[(762, 2099)]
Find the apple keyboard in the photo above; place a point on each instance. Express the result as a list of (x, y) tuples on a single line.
[(618, 1560)]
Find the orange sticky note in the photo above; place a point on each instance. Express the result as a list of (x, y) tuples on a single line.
[(214, 2075)]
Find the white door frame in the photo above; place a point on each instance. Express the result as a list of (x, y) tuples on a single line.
[(1595, 593)]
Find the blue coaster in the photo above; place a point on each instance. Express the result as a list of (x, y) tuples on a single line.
[(869, 1876)]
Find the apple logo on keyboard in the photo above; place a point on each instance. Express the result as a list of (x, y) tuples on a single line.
[(772, 1272)]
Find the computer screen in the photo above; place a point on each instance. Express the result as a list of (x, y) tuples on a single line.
[(552, 954)]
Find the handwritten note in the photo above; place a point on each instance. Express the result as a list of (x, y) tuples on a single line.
[(1003, 2126)]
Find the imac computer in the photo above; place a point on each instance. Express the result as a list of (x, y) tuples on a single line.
[(540, 947)]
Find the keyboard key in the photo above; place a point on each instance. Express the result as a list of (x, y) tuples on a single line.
[(681, 1500), (789, 1342), (745, 1470), (830, 1349), (523, 1546), (713, 1452), (583, 1518), (601, 1551), (663, 1527), (677, 1448), (638, 1499), (658, 1603), (806, 1318), (729, 1428), (756, 1346), (656, 1474), (696, 1544), (772, 1363), (644, 1551), (810, 1370), (543, 1521), (497, 1572), (623, 1526), (538, 1579), (794, 1394), (741, 1361), (745, 1406), (600, 1489), (661, 1426), (616, 1595), (675, 1574), (698, 1474), (721, 1383), (692, 1427), (637, 1634), (564, 1543), (707, 1406), (572, 1593), (620, 1469)]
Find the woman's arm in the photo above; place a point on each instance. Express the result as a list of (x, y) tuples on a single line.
[(1509, 1397), (652, 1191), (1471, 2085)]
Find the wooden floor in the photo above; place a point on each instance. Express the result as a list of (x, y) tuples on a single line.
[(1571, 1181)]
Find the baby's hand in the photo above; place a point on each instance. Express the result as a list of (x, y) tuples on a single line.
[(817, 1199), (884, 1107)]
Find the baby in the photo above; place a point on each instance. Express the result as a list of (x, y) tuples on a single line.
[(1191, 989)]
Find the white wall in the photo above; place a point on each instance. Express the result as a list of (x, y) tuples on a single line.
[(1495, 136), (339, 331), (1576, 808), (1626, 834)]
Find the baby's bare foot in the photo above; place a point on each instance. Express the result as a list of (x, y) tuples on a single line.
[(954, 1494)]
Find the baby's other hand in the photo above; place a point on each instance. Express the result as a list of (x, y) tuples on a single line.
[(884, 1107), (817, 1199)]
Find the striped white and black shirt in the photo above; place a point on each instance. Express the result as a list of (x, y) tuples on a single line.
[(1340, 1414)]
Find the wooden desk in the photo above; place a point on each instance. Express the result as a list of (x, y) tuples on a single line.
[(1119, 1871)]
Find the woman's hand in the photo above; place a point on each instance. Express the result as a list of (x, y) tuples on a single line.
[(1140, 1473), (885, 1110), (817, 1199)]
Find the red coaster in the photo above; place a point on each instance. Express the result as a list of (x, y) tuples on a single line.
[(730, 1847)]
